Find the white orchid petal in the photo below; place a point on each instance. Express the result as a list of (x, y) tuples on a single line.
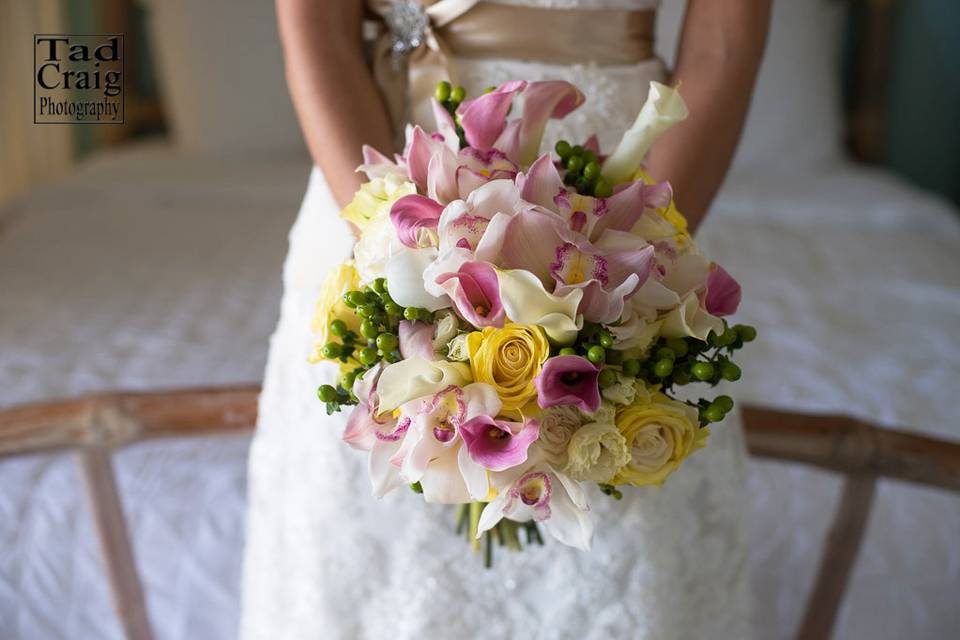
[(442, 482), (567, 523), (474, 476), (492, 514), (384, 475)]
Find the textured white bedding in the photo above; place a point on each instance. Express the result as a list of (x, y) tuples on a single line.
[(152, 269)]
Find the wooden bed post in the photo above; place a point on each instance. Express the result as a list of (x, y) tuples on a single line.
[(840, 551), (106, 508)]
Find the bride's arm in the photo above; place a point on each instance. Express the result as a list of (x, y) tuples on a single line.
[(333, 92), (717, 61)]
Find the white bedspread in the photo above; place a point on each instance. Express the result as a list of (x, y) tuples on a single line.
[(149, 269)]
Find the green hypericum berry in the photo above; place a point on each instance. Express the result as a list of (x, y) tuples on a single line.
[(458, 94), (596, 354), (347, 379), (679, 346), (602, 189), (730, 371), (348, 300), (563, 149), (631, 367), (607, 378), (584, 186), (387, 342), (746, 333), (442, 93), (356, 298), (411, 313), (591, 171), (326, 393), (575, 164), (702, 371), (367, 355), (369, 329), (666, 353), (578, 150), (727, 338), (393, 309), (367, 312), (713, 413), (380, 285), (724, 402), (332, 350), (663, 368), (589, 156), (338, 328), (568, 351)]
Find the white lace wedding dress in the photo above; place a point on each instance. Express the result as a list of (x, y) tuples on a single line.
[(324, 559)]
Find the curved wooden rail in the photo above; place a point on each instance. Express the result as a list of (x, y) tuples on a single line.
[(96, 424)]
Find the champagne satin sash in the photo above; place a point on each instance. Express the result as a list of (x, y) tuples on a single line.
[(415, 41)]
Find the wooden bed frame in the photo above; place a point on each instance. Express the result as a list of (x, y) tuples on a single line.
[(95, 425)]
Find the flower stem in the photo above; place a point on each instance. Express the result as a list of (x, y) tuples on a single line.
[(475, 509)]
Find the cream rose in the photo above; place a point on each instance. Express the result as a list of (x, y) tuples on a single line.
[(557, 425), (595, 452), (661, 433)]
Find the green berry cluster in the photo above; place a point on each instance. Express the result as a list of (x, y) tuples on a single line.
[(595, 343), (610, 490), (450, 98), (377, 341), (583, 170)]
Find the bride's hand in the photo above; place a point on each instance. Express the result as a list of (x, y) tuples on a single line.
[(337, 102)]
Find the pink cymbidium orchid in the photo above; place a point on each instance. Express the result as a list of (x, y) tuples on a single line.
[(589, 216), (434, 438), (544, 495), (378, 435), (607, 276), (568, 380), (475, 292), (498, 445)]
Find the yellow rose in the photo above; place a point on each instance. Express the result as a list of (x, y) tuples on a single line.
[(331, 306), (668, 213), (508, 359), (374, 199), (661, 433)]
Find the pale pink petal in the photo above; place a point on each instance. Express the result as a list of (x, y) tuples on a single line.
[(542, 101), (442, 177), (445, 126), (418, 154), (526, 240), (542, 185), (416, 340), (484, 118), (723, 292), (624, 208)]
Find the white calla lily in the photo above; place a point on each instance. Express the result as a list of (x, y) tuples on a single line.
[(690, 319), (525, 301), (415, 378), (404, 272), (663, 109)]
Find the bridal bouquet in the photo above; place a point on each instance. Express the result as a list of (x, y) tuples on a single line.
[(514, 325)]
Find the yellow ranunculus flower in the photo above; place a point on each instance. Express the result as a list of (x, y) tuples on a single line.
[(661, 433), (374, 199), (508, 359), (331, 306), (670, 212)]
